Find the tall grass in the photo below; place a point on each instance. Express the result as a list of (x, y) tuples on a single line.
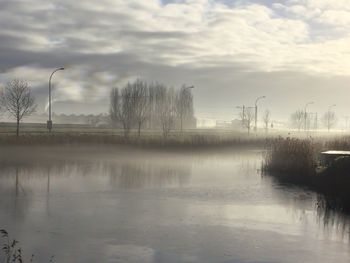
[(341, 143), (295, 161), (196, 140), (290, 157)]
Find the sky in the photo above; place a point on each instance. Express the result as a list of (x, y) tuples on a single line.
[(232, 51)]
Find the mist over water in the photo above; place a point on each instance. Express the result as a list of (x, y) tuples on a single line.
[(94, 204)]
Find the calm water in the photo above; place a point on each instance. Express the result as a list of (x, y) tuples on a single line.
[(119, 205)]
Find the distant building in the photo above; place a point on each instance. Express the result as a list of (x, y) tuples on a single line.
[(221, 124), (205, 123), (90, 119)]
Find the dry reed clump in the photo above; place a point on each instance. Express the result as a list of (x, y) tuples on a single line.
[(287, 157), (341, 144), (12, 252)]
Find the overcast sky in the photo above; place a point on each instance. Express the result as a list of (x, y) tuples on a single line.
[(292, 51)]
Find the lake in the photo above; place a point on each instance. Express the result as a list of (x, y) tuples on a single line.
[(117, 204)]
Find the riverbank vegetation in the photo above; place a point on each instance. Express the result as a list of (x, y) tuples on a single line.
[(185, 139), (297, 161), (12, 252)]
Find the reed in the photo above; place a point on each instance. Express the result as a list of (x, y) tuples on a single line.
[(290, 158), (295, 161), (191, 140), (12, 253)]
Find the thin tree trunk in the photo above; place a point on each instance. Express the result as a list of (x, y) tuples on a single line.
[(139, 129), (17, 130)]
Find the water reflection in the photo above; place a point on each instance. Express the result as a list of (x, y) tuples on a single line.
[(330, 215), (165, 207)]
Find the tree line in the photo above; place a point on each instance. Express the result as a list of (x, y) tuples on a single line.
[(151, 105), (306, 120), (136, 105), (247, 117)]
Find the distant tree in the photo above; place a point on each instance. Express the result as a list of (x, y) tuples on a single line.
[(167, 109), (114, 106), (249, 118), (126, 109), (18, 100), (297, 119), (184, 104), (329, 120), (153, 105), (266, 120), (140, 101)]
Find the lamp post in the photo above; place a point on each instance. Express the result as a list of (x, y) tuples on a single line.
[(256, 112), (305, 114), (329, 115), (182, 103), (49, 122)]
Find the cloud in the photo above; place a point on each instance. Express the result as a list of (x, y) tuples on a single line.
[(108, 42)]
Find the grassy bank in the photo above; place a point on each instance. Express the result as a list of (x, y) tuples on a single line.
[(297, 161), (190, 139)]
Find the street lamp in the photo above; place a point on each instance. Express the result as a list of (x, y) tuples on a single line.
[(305, 114), (182, 106), (256, 112), (49, 122)]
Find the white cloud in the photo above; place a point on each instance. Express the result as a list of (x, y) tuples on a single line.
[(310, 36)]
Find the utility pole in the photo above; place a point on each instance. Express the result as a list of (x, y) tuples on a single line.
[(305, 114), (329, 115), (314, 120), (316, 124)]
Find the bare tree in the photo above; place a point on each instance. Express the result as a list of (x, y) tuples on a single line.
[(242, 116), (266, 120), (18, 100), (249, 118), (140, 102), (297, 119), (184, 104), (166, 109), (114, 106), (329, 120), (153, 105), (126, 111)]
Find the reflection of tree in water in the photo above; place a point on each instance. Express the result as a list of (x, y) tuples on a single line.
[(148, 174), (16, 180), (249, 166), (137, 174), (332, 213)]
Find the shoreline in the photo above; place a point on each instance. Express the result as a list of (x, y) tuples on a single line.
[(174, 141), (297, 162)]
